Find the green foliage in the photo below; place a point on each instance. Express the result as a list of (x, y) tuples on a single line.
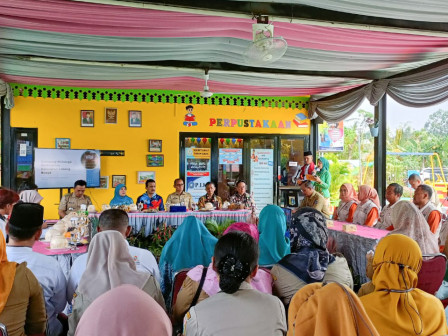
[(340, 173), (217, 229), (437, 123)]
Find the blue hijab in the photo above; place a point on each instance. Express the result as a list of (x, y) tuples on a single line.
[(120, 200), (191, 245), (272, 243)]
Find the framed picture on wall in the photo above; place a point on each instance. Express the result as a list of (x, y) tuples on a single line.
[(110, 115), (155, 146), (87, 118), (142, 176), (117, 179), (62, 143), (154, 160), (135, 118), (104, 182)]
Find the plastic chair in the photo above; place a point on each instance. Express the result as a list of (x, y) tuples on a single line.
[(3, 330), (179, 278), (432, 272)]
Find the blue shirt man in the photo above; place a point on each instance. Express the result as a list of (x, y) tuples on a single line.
[(150, 199)]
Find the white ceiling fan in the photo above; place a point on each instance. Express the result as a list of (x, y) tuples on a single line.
[(206, 93)]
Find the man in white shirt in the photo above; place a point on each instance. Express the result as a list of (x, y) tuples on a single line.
[(394, 192), (118, 220), (24, 228)]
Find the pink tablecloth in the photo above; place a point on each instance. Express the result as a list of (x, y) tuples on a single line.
[(362, 231), (354, 246), (44, 248)]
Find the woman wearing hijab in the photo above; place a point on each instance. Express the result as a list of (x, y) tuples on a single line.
[(408, 220), (124, 311), (323, 178), (31, 196), (261, 282), (396, 307), (109, 265), (120, 197), (330, 309), (367, 211), (273, 243), (310, 260), (348, 202), (191, 245), (22, 305), (237, 309)]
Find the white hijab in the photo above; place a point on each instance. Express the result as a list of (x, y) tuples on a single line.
[(109, 265), (408, 220), (30, 196)]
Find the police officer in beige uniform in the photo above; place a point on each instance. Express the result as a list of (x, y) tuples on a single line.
[(238, 309), (73, 201), (313, 199)]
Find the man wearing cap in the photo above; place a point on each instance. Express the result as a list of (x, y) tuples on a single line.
[(24, 228), (306, 169)]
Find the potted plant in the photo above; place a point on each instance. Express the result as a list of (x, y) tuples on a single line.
[(373, 126)]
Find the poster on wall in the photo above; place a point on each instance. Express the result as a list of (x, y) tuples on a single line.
[(230, 156), (331, 137), (197, 171), (261, 173)]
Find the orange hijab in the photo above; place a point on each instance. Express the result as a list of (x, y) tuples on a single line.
[(327, 310), (368, 193), (7, 273), (396, 307)]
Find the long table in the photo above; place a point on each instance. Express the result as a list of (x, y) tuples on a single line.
[(153, 219), (354, 245)]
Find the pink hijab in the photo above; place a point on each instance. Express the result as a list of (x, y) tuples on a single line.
[(122, 311), (351, 196), (244, 227), (368, 193)]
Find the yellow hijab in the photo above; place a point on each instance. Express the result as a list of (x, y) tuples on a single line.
[(328, 310), (7, 273), (396, 307)]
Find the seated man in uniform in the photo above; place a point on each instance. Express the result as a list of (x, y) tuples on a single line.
[(422, 199), (313, 199), (150, 199), (117, 220), (180, 196), (394, 191), (415, 180), (73, 201), (24, 228)]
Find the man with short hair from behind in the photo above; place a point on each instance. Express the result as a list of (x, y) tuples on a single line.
[(24, 228), (150, 199), (313, 199), (422, 197), (117, 220), (415, 180), (72, 201), (394, 191)]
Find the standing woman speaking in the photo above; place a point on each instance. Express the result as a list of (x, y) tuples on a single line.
[(323, 178)]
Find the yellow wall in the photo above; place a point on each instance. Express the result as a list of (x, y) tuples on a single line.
[(57, 118)]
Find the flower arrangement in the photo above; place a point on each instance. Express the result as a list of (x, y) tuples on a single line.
[(372, 123), (159, 238)]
